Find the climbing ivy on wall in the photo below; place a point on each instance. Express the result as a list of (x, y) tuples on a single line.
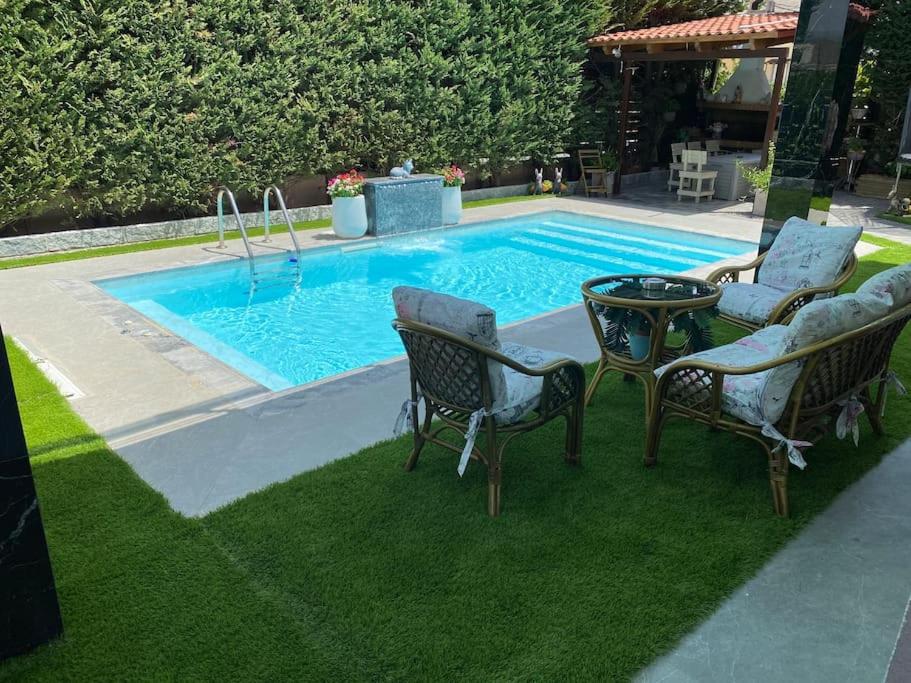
[(113, 107)]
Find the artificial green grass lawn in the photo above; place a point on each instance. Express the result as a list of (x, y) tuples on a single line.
[(360, 570), (79, 254)]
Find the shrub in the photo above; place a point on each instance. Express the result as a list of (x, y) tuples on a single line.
[(114, 107)]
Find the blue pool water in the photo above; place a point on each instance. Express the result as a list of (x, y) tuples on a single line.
[(337, 316)]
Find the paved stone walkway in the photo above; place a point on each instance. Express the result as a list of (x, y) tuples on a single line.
[(828, 607)]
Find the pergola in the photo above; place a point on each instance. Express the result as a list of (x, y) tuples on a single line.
[(733, 36)]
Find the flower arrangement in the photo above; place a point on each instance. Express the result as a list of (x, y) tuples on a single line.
[(453, 176), (350, 184)]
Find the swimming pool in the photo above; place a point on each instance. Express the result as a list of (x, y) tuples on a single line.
[(335, 316)]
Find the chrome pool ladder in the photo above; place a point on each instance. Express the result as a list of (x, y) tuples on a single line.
[(220, 203), (272, 189), (268, 270)]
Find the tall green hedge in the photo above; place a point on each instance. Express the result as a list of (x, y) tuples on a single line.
[(111, 107), (887, 73)]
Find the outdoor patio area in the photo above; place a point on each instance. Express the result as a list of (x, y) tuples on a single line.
[(455, 341)]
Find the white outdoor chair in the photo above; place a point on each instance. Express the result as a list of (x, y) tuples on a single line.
[(694, 180), (713, 147), (675, 166), (695, 144)]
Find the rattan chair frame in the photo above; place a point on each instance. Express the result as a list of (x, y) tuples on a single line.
[(852, 364), (787, 307), (451, 375)]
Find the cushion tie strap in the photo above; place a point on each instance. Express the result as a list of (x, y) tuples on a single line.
[(474, 425), (847, 419), (792, 445), (404, 421), (893, 379)]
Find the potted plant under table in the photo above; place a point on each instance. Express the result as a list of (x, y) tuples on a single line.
[(453, 179), (349, 210)]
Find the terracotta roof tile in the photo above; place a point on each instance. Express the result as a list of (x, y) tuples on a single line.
[(727, 25)]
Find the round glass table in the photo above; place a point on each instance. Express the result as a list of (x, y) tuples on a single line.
[(631, 317)]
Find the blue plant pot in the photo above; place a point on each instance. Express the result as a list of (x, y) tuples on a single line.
[(638, 345), (452, 205)]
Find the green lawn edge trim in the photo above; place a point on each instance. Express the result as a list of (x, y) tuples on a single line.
[(208, 238)]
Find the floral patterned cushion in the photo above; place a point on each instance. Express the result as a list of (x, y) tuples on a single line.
[(523, 392), (807, 255), (461, 317), (892, 286), (748, 301), (760, 397)]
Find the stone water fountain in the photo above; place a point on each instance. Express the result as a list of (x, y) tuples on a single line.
[(404, 201)]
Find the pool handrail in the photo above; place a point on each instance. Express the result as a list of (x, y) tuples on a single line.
[(284, 209), (219, 201)]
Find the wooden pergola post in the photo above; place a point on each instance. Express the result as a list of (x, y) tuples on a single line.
[(624, 123), (775, 103)]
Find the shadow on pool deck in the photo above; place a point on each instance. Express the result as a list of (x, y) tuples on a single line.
[(235, 448)]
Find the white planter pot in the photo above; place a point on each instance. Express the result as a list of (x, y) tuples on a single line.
[(759, 202), (349, 217), (452, 205)]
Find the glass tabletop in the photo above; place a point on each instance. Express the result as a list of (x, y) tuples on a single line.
[(661, 290)]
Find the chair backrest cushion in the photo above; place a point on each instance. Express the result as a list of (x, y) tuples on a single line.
[(893, 286), (817, 321), (807, 255), (827, 318), (461, 317)]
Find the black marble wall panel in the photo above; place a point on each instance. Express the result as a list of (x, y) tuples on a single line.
[(804, 171), (29, 613)]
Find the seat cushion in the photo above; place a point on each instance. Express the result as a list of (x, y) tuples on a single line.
[(892, 286), (463, 318), (807, 255), (523, 392), (759, 397), (749, 301)]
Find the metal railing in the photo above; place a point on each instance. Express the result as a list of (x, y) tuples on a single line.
[(220, 203), (272, 189)]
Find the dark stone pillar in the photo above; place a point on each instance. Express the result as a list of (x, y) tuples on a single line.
[(29, 613), (812, 115)]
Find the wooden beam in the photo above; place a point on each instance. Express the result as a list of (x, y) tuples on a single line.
[(692, 55), (654, 48), (778, 36), (773, 107), (624, 122)]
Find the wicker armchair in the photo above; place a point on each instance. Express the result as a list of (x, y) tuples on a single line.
[(805, 262), (831, 374), (452, 375), (790, 304)]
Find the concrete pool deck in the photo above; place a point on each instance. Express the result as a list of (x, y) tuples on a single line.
[(203, 434)]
